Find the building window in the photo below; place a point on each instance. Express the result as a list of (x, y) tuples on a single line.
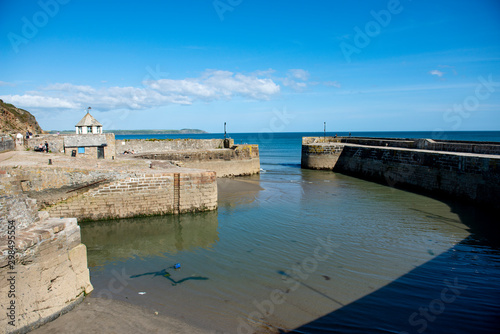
[(81, 150), (80, 130), (89, 129)]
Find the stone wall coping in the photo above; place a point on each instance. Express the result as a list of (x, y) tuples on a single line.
[(43, 230), (479, 155)]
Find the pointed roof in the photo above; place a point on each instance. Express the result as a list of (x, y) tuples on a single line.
[(88, 120)]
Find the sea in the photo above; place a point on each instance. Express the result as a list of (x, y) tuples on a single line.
[(306, 251)]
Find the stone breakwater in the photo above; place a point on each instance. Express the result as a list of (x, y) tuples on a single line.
[(163, 145), (468, 171), (219, 155), (94, 194), (43, 264), (143, 195), (236, 161), (43, 267)]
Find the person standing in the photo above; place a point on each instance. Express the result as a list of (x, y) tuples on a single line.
[(46, 147)]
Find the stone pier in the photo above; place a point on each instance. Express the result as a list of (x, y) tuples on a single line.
[(467, 171), (43, 264)]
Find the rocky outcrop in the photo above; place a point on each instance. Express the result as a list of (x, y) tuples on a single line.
[(16, 120)]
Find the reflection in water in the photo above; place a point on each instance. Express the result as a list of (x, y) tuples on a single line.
[(167, 275), (235, 192), (122, 239)]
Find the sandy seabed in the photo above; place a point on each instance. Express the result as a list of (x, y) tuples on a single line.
[(98, 315)]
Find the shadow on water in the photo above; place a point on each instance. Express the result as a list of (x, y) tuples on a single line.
[(418, 302), (121, 239), (455, 292), (283, 273)]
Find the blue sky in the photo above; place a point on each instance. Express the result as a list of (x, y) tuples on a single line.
[(257, 65)]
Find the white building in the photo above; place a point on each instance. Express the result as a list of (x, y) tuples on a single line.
[(87, 125)]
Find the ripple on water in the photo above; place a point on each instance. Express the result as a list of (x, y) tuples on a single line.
[(376, 237)]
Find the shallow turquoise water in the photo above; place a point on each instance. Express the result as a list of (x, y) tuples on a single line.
[(313, 251)]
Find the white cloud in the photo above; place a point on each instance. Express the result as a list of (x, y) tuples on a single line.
[(436, 72), (67, 87), (211, 85), (264, 73), (4, 83), (450, 67), (34, 101), (299, 74), (216, 84), (296, 79), (332, 84), (297, 86)]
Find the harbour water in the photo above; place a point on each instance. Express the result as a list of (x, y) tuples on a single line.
[(308, 251)]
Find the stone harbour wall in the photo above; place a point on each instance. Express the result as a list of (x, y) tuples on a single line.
[(162, 145), (238, 161), (43, 273), (473, 178), (56, 142), (420, 143), (7, 143), (14, 205), (467, 176), (43, 265), (143, 195), (320, 155), (40, 178), (103, 194)]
